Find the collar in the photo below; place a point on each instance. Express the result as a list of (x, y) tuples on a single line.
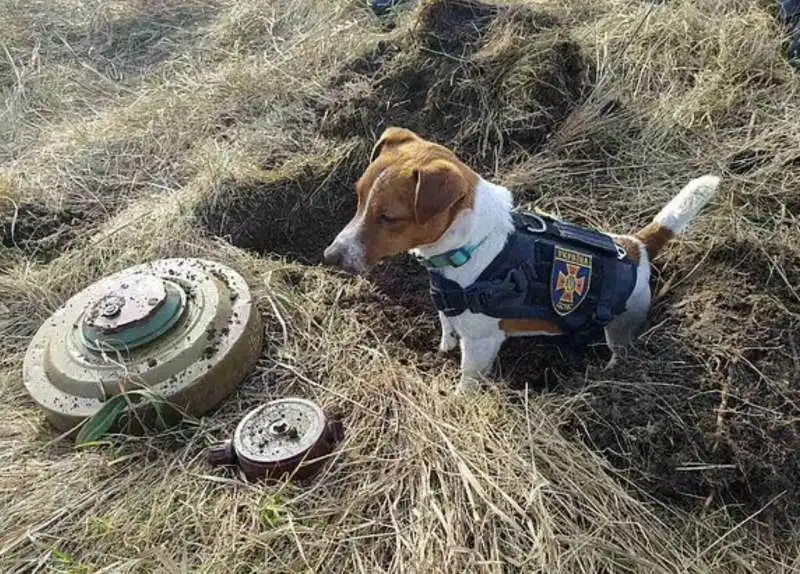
[(453, 258)]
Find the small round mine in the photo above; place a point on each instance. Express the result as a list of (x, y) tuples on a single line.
[(186, 329), (279, 431), (290, 436)]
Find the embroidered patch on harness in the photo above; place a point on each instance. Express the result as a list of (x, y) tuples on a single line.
[(569, 281)]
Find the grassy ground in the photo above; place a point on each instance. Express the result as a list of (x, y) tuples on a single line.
[(141, 129)]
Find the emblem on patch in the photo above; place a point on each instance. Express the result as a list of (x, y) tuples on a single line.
[(569, 281)]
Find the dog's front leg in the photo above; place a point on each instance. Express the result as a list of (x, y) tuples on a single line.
[(448, 341), (477, 357)]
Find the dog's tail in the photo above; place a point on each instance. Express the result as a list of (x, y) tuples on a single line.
[(678, 213)]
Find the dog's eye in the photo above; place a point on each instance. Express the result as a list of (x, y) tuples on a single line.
[(388, 219)]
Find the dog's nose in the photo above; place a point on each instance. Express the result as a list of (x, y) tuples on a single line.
[(333, 255)]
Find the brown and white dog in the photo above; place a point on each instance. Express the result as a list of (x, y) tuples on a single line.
[(417, 196)]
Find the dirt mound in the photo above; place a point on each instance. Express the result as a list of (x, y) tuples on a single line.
[(486, 80), (474, 76), (723, 431), (38, 231)]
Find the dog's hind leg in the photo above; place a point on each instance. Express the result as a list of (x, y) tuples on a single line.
[(621, 332), (624, 328)]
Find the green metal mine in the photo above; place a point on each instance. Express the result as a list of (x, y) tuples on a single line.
[(187, 330)]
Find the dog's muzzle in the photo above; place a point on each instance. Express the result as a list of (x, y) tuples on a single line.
[(346, 256)]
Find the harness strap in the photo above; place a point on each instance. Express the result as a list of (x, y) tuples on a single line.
[(449, 298), (612, 275)]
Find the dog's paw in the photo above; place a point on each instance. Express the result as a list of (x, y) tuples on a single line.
[(448, 342), (468, 386), (612, 363)]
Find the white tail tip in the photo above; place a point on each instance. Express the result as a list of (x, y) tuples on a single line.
[(685, 206)]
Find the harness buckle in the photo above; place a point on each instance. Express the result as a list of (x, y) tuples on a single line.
[(622, 253), (442, 303), (542, 226)]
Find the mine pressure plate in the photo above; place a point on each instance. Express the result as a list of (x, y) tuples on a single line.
[(185, 329), (289, 436)]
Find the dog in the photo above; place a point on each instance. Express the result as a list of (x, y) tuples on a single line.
[(495, 273)]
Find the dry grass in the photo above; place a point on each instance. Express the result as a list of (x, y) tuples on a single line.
[(137, 130)]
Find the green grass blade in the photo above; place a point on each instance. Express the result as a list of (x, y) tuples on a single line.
[(102, 421)]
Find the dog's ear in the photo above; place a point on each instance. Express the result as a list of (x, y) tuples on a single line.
[(392, 137), (440, 185)]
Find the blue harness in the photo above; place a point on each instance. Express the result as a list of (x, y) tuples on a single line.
[(549, 269)]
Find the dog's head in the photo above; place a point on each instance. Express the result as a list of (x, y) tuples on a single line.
[(408, 197)]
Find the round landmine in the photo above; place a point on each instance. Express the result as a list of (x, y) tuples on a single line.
[(186, 329), (285, 437)]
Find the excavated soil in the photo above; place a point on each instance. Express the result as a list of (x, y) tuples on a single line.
[(721, 430), (486, 80), (39, 232)]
